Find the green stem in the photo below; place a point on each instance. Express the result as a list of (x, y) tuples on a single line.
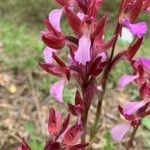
[(130, 143), (101, 93)]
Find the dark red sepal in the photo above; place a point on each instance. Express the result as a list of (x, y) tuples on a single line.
[(52, 41), (79, 146), (74, 21), (51, 145), (24, 145), (133, 48)]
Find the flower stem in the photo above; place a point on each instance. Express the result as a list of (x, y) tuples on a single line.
[(84, 121), (101, 93), (130, 143)]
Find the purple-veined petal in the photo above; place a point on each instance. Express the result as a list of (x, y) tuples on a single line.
[(56, 90), (55, 17), (132, 107), (47, 54), (83, 53), (125, 80), (138, 29), (119, 131), (145, 62)]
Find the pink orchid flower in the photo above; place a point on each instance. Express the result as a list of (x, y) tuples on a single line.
[(141, 71), (63, 136), (129, 112)]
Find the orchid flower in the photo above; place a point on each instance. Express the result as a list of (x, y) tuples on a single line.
[(141, 70), (61, 135), (132, 120), (129, 11), (60, 70)]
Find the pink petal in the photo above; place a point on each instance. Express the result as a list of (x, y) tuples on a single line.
[(47, 54), (83, 53), (148, 9), (125, 80), (138, 29), (103, 55), (56, 90), (119, 131), (132, 107), (81, 15), (145, 62), (55, 17)]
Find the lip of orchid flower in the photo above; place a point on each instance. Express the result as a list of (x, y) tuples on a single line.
[(128, 110), (145, 62), (134, 118), (50, 27), (47, 54), (131, 107), (125, 80), (56, 90), (83, 53), (55, 17), (138, 29), (119, 131)]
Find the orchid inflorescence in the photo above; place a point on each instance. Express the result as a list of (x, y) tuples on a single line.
[(90, 60)]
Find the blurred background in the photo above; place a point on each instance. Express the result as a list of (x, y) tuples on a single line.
[(24, 87)]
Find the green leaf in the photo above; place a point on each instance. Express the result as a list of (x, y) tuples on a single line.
[(146, 122), (36, 145), (108, 141), (30, 127)]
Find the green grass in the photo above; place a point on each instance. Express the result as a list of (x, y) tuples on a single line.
[(36, 141), (22, 45)]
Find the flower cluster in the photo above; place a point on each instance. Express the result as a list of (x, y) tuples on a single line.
[(134, 111), (89, 62)]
